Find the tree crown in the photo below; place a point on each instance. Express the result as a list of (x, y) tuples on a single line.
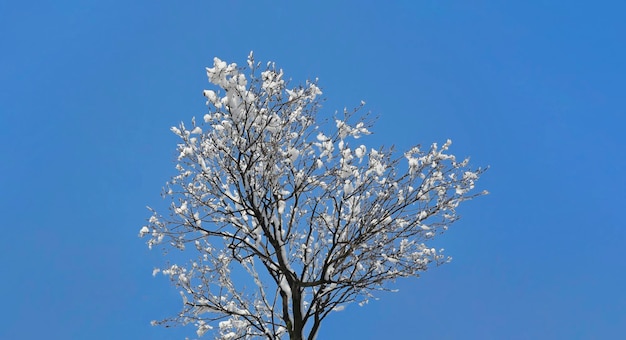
[(291, 219)]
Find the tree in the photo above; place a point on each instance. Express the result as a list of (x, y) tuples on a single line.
[(287, 220)]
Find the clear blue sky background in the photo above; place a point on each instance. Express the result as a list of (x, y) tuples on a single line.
[(534, 89)]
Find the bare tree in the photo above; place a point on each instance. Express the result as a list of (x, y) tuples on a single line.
[(287, 220)]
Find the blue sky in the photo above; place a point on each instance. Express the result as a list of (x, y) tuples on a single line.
[(534, 89)]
